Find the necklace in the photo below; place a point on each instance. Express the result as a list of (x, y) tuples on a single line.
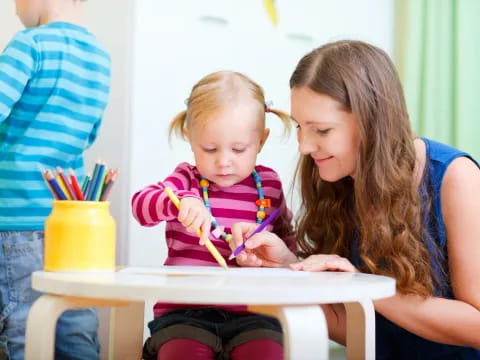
[(261, 202)]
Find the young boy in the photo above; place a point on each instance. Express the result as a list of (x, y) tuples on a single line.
[(54, 86)]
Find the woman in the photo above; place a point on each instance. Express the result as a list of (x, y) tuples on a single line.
[(376, 199)]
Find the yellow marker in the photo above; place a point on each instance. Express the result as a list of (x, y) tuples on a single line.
[(213, 250)]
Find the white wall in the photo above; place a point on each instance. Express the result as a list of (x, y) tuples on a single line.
[(176, 43)]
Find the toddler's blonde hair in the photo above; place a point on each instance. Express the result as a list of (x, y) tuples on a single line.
[(221, 89)]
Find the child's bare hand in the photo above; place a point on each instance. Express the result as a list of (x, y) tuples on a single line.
[(262, 249), (194, 215)]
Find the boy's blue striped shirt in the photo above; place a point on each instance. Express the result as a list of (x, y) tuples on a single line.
[(54, 87)]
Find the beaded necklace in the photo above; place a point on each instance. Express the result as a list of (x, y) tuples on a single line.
[(261, 202)]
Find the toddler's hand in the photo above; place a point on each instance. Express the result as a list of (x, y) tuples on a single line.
[(262, 249), (194, 215)]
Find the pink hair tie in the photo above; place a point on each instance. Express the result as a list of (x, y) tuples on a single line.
[(268, 107)]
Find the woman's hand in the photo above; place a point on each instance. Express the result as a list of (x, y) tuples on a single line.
[(324, 263), (262, 249), (194, 215)]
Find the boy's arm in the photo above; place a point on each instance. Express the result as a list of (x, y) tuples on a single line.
[(18, 63), (151, 205)]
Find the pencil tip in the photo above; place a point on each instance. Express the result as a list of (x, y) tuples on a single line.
[(232, 256)]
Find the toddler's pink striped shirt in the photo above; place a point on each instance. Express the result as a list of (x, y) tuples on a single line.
[(229, 205)]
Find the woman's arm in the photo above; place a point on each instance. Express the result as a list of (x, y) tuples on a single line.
[(445, 320), (442, 320)]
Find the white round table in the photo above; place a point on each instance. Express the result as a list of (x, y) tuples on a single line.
[(292, 297)]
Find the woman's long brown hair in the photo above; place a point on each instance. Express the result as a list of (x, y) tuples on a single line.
[(381, 208)]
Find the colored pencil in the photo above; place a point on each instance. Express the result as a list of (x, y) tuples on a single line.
[(76, 185), (213, 250), (55, 185), (62, 186), (96, 180), (262, 226), (48, 184), (86, 179), (87, 188), (101, 185), (93, 181), (109, 176), (108, 187), (65, 181)]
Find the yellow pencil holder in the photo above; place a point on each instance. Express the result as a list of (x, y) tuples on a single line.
[(79, 235)]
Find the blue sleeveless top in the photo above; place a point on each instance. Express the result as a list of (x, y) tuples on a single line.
[(392, 341)]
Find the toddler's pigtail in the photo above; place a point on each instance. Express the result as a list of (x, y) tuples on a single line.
[(286, 119), (177, 125)]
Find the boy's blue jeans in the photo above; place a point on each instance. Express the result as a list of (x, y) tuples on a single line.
[(21, 254)]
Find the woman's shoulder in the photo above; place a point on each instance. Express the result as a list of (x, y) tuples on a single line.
[(441, 157), (443, 153), (462, 170)]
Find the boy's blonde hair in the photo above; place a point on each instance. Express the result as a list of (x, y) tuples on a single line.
[(221, 89)]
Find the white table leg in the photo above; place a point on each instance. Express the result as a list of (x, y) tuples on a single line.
[(305, 333), (126, 332), (42, 320), (360, 330)]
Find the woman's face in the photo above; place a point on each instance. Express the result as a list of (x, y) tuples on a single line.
[(326, 132)]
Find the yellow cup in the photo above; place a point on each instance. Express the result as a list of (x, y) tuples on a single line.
[(79, 235)]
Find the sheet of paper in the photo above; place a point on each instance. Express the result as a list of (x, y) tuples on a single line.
[(213, 271)]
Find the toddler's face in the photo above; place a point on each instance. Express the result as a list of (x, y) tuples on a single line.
[(326, 132), (226, 143), (29, 11)]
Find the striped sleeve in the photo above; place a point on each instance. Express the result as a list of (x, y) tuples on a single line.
[(18, 64), (151, 205)]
